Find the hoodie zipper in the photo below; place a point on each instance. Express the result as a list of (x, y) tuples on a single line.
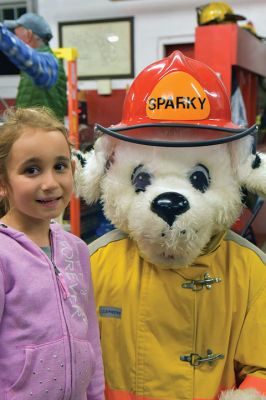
[(65, 294), (61, 282)]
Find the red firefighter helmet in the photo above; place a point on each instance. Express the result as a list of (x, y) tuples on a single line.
[(177, 92)]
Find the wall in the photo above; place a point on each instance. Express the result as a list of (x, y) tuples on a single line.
[(156, 22)]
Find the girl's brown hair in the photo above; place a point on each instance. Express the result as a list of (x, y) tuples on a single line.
[(15, 123)]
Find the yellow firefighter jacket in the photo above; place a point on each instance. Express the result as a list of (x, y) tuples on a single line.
[(181, 334)]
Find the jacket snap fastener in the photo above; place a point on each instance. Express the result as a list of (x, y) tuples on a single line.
[(195, 359), (198, 284)]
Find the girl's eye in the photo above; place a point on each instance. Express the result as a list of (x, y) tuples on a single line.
[(140, 179), (200, 178), (61, 167), (32, 171)]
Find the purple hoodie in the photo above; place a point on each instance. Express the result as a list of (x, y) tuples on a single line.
[(49, 338)]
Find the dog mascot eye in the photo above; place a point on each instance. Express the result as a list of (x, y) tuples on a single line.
[(200, 178), (140, 179)]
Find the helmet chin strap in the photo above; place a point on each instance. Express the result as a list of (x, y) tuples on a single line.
[(115, 132)]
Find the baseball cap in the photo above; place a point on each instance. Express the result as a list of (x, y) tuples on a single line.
[(32, 21)]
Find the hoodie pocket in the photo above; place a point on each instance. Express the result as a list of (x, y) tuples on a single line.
[(43, 374), (84, 366)]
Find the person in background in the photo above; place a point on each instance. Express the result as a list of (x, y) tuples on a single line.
[(49, 336), (25, 42)]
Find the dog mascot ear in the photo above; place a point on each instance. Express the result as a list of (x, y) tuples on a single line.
[(90, 167), (180, 297), (250, 166)]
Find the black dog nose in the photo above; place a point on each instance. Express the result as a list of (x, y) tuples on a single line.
[(169, 205)]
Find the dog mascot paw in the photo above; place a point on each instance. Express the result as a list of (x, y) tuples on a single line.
[(180, 297)]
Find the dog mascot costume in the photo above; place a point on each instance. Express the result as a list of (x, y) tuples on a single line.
[(181, 299)]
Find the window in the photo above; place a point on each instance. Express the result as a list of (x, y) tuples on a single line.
[(12, 10)]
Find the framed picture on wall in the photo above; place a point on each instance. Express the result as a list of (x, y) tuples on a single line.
[(105, 47)]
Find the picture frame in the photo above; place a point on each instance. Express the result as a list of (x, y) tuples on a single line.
[(105, 47)]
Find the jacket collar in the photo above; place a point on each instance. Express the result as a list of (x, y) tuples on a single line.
[(202, 263)]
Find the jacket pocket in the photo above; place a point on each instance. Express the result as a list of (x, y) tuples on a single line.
[(84, 366), (43, 373)]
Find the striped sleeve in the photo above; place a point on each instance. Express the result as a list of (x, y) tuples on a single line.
[(41, 67)]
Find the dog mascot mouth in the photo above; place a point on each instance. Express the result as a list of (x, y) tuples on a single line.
[(166, 244)]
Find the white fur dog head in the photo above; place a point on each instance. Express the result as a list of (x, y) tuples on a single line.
[(171, 201)]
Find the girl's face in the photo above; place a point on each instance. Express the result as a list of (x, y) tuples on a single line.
[(40, 176)]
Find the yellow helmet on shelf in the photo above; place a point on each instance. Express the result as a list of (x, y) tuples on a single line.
[(249, 26), (216, 13)]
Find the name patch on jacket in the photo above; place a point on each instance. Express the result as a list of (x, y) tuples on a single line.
[(110, 312)]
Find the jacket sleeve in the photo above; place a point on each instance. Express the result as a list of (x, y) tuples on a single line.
[(251, 349), (96, 387), (42, 67)]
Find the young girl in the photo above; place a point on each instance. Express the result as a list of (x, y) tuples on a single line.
[(49, 339)]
